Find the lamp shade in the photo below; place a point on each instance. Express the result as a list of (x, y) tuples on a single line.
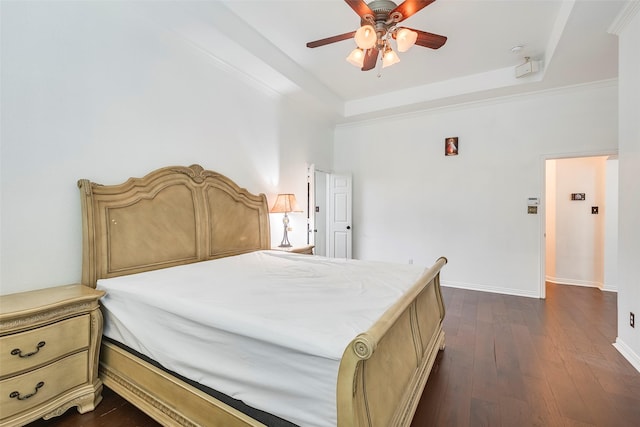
[(389, 58), (366, 37), (285, 203), (405, 39), (356, 57)]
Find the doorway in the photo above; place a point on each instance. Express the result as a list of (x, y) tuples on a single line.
[(319, 211), (580, 222), (330, 218)]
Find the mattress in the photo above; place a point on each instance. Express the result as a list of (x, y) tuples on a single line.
[(267, 328)]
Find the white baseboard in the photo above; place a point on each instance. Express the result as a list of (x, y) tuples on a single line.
[(574, 282), (628, 353), (493, 289), (602, 287)]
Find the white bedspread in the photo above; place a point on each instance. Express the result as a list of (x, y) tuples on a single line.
[(268, 328)]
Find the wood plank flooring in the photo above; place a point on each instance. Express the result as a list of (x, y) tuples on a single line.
[(113, 411), (513, 361), (509, 361)]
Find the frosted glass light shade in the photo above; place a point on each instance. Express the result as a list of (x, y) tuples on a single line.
[(405, 39), (366, 37), (389, 58), (356, 57)]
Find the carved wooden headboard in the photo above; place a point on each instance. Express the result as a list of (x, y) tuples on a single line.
[(174, 215)]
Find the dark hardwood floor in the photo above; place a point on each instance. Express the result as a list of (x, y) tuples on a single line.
[(113, 411), (513, 361), (509, 361)]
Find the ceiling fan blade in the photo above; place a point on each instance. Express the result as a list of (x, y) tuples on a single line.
[(332, 39), (409, 7), (370, 59), (362, 9), (430, 40)]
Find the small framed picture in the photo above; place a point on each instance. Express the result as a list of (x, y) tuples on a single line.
[(451, 146)]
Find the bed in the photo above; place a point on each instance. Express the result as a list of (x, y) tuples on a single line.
[(178, 220)]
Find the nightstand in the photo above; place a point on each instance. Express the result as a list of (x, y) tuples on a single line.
[(308, 249), (49, 348)]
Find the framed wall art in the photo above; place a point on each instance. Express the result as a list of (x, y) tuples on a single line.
[(451, 146)]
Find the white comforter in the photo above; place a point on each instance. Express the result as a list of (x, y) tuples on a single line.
[(268, 328)]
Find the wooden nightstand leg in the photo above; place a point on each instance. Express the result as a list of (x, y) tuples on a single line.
[(94, 348), (89, 402), (84, 403)]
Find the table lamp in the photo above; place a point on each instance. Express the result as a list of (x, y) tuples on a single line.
[(285, 203)]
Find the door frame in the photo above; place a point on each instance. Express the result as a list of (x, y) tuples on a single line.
[(312, 225), (542, 211)]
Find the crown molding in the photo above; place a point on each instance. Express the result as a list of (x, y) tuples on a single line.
[(479, 103), (626, 15)]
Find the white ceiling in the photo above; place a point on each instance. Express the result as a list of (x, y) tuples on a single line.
[(264, 41)]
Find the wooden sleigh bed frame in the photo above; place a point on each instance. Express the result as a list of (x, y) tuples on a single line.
[(180, 215)]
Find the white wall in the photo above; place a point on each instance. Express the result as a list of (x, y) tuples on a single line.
[(578, 236), (628, 340), (412, 202), (97, 90), (611, 216)]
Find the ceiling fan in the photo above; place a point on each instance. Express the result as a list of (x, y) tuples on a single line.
[(379, 21)]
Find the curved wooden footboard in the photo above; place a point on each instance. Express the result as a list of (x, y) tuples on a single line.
[(381, 377), (384, 370)]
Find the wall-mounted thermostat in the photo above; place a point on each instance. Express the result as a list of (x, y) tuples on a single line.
[(578, 196)]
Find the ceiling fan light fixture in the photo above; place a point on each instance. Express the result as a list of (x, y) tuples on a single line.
[(380, 22), (405, 38), (356, 57), (366, 37), (389, 58)]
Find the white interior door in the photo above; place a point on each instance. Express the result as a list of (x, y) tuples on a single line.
[(339, 216)]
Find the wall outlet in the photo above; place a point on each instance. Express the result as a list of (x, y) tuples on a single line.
[(632, 320)]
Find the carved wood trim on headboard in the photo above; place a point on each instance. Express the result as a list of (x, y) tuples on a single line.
[(175, 215)]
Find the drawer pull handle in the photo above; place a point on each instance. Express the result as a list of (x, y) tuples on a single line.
[(16, 394), (18, 352)]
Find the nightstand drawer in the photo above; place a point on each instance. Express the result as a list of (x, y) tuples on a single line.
[(26, 350), (23, 392)]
